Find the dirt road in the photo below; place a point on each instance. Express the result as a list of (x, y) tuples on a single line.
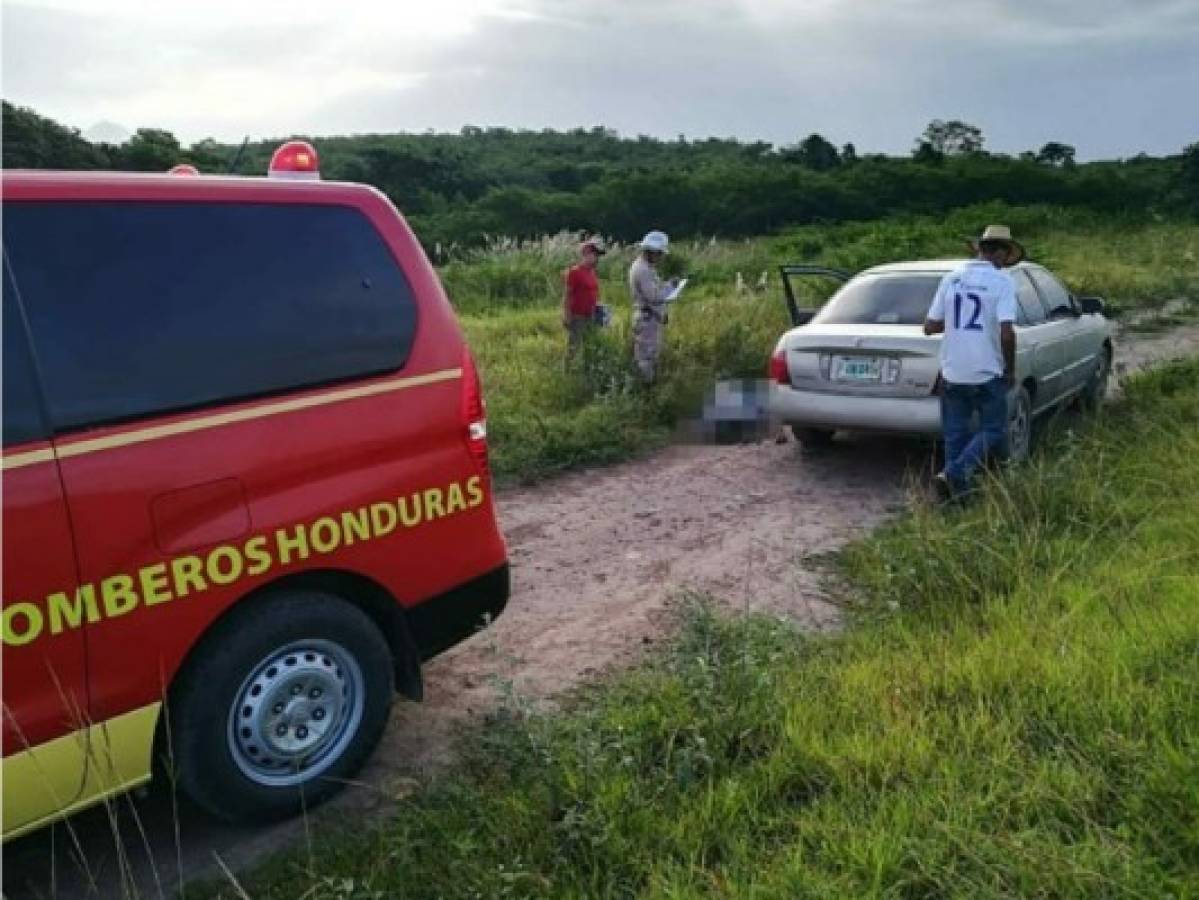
[(597, 558)]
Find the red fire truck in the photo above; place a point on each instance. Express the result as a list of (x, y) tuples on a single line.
[(245, 485)]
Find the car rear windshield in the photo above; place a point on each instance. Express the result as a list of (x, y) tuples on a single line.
[(143, 308), (899, 299)]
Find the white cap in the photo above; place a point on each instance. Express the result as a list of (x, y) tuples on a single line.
[(657, 241)]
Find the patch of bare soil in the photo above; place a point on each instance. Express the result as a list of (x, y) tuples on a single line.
[(1139, 351), (598, 558)]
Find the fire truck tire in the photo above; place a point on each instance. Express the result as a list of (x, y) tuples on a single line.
[(285, 701)]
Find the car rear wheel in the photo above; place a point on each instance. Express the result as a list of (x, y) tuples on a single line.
[(286, 700), (814, 437), (1019, 428)]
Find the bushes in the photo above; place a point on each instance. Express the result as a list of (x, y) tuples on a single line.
[(733, 199), (459, 189)]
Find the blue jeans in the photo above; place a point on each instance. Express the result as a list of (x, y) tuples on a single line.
[(965, 450)]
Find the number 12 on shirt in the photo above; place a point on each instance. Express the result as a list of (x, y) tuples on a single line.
[(973, 324)]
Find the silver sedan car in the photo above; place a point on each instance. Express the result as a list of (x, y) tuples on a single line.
[(862, 363)]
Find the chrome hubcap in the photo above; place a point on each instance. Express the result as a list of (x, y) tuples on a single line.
[(296, 712)]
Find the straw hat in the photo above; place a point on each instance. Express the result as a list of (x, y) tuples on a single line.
[(1001, 234), (596, 243)]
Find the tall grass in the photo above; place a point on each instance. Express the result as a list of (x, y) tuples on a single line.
[(1015, 714), (1133, 260), (544, 420)]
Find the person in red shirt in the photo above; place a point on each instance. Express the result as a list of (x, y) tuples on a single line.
[(581, 295)]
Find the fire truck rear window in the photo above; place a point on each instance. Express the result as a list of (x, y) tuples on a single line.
[(144, 308)]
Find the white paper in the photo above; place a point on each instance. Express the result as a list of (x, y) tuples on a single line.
[(678, 289)]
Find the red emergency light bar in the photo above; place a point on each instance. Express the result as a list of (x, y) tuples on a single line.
[(295, 159)]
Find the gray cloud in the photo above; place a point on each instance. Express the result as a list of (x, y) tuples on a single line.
[(1111, 77)]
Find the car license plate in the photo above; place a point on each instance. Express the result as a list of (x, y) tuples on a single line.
[(858, 368)]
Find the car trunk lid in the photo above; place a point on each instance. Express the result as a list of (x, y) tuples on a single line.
[(863, 360)]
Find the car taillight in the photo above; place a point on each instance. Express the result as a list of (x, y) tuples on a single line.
[(474, 414), (779, 373)]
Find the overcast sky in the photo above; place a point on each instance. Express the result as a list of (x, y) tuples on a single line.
[(1112, 77)]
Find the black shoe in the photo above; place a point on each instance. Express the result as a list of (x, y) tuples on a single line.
[(942, 488)]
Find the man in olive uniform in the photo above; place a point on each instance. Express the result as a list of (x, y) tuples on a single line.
[(649, 295)]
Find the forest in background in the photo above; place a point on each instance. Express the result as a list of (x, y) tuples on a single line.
[(462, 190)]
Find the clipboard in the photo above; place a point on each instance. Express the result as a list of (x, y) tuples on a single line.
[(678, 289)]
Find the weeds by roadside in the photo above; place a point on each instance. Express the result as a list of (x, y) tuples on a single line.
[(542, 420)]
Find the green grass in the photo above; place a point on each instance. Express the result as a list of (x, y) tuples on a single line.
[(1013, 712), (543, 420)]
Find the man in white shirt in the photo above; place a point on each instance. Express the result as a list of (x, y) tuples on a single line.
[(975, 308)]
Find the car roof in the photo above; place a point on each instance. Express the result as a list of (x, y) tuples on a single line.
[(38, 184), (928, 266)]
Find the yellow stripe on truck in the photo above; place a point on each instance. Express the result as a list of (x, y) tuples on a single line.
[(203, 423), (27, 458), (77, 770), (23, 621)]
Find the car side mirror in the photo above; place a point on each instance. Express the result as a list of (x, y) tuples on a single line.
[(1091, 306), (1063, 312)]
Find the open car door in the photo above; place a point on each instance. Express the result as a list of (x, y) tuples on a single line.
[(804, 298)]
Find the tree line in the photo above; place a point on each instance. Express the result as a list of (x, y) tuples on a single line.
[(460, 189)]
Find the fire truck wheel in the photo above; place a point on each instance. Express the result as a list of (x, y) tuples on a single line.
[(285, 701)]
